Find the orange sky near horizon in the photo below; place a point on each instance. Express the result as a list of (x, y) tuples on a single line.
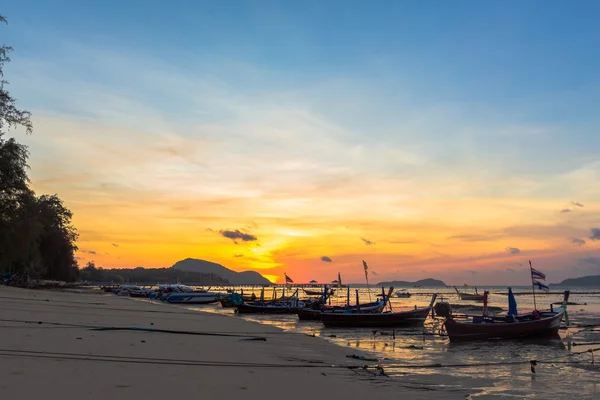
[(162, 159), (442, 230)]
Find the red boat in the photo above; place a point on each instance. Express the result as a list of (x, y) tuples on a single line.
[(382, 319), (534, 324)]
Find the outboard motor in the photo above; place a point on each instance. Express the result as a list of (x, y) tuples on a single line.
[(443, 309)]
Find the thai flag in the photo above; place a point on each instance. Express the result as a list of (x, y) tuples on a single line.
[(288, 279), (541, 286), (535, 274)]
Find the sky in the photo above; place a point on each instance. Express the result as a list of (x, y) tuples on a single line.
[(451, 140)]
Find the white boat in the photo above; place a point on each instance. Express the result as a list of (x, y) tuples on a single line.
[(188, 295)]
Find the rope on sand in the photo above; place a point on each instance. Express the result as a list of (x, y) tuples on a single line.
[(136, 329), (204, 363)]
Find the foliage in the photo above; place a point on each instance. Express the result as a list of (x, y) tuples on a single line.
[(91, 273), (37, 239), (10, 115)]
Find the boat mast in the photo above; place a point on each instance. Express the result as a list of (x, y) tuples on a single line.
[(532, 285), (367, 279), (348, 297)]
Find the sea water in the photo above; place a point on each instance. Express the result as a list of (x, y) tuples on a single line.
[(402, 356)]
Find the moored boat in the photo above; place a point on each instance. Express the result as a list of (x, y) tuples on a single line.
[(469, 296), (403, 294), (308, 314), (390, 319), (193, 298), (311, 292), (535, 324), (267, 308)]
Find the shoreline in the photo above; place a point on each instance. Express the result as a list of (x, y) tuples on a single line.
[(62, 356)]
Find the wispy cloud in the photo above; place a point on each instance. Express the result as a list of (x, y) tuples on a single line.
[(115, 245), (513, 250), (577, 241), (595, 234), (510, 270), (238, 235), (479, 237), (577, 204), (326, 259), (566, 210), (238, 255), (367, 241)]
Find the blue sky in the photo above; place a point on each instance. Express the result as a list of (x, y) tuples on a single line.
[(413, 102)]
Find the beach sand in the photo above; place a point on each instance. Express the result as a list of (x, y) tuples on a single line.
[(31, 366)]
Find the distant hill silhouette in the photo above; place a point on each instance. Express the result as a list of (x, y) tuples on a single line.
[(207, 267), (429, 282), (592, 280), (150, 276)]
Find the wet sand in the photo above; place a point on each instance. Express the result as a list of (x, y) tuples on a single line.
[(69, 362)]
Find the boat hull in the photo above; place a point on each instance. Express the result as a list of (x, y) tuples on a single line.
[(307, 314), (265, 309), (464, 331), (192, 298), (471, 297), (373, 320)]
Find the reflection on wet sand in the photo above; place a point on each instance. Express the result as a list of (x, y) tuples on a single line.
[(421, 357)]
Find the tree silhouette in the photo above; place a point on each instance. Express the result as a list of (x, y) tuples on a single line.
[(37, 239)]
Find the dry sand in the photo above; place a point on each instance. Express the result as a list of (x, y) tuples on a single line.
[(30, 371)]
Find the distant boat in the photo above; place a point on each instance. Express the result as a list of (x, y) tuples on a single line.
[(469, 296), (311, 292), (389, 319), (534, 324), (403, 294)]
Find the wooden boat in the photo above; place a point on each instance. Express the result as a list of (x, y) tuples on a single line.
[(469, 296), (283, 305), (534, 324), (310, 314), (382, 319), (267, 308)]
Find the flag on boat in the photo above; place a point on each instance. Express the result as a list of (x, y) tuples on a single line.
[(288, 279), (535, 274), (541, 286), (366, 268)]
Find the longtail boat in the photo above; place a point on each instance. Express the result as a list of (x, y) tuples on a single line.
[(308, 314), (534, 324), (267, 308), (382, 319), (289, 305), (314, 312), (469, 296)]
